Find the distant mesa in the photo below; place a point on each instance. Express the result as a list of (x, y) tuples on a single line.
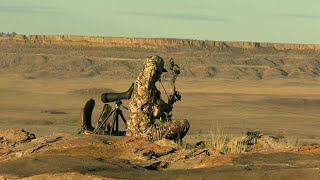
[(145, 43)]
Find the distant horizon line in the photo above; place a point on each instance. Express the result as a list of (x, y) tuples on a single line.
[(172, 38)]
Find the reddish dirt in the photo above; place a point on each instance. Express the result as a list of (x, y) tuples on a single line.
[(65, 156), (308, 150)]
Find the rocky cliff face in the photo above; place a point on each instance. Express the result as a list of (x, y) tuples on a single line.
[(147, 43)]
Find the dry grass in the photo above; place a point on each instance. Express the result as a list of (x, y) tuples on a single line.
[(236, 145), (292, 141), (225, 143), (217, 140)]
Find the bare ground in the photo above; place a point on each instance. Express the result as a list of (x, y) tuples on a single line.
[(277, 107)]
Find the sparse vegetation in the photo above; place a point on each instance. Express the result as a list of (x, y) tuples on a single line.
[(12, 34), (217, 139), (292, 141), (236, 145), (225, 143)]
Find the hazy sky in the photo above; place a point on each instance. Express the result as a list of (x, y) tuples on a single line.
[(294, 21)]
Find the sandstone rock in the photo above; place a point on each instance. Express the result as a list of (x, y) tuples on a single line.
[(16, 135), (167, 143), (267, 143)]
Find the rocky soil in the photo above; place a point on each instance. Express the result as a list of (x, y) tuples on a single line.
[(22, 155)]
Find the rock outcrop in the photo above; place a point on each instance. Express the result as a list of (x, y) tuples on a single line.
[(61, 156)]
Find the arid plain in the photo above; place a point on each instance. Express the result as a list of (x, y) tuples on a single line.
[(235, 89)]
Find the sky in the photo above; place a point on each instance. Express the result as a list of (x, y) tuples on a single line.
[(287, 21)]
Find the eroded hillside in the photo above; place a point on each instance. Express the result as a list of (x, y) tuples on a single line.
[(75, 56)]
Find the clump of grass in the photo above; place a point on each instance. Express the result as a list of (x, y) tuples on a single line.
[(236, 145), (293, 141), (224, 143), (217, 139)]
